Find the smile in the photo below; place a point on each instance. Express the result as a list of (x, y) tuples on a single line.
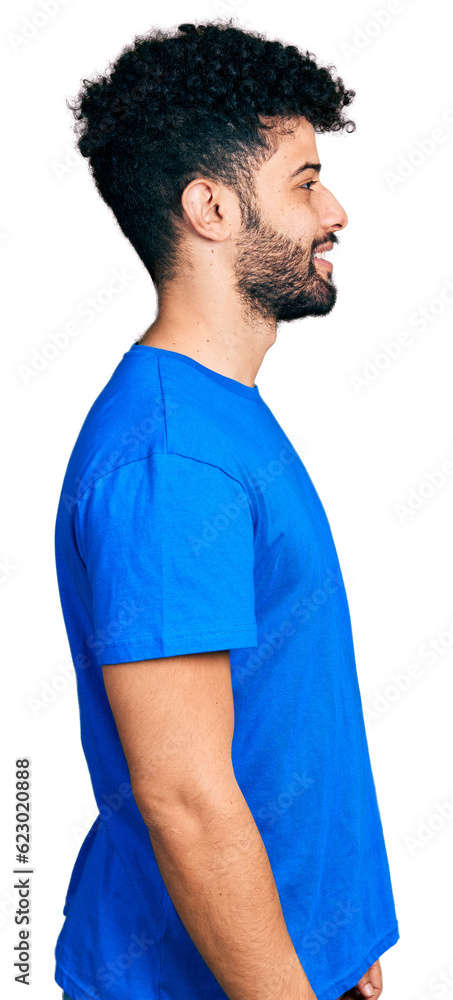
[(320, 256), (322, 261)]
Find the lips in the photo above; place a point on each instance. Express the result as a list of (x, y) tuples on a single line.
[(322, 248), (323, 263), (320, 260)]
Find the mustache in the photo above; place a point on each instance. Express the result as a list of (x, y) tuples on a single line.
[(330, 238)]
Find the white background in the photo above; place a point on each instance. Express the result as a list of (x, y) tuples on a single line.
[(367, 451)]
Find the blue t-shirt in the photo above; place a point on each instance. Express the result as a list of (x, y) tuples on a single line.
[(187, 523)]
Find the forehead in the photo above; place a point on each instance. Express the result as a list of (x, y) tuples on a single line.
[(293, 142)]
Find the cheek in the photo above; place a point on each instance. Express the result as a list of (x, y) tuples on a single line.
[(305, 226), (293, 221)]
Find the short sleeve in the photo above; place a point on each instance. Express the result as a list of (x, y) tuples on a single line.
[(168, 546)]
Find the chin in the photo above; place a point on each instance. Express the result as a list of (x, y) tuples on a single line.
[(317, 306)]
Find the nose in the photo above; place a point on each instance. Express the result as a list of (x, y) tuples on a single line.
[(333, 215)]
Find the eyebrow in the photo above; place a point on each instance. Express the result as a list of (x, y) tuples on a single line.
[(305, 166)]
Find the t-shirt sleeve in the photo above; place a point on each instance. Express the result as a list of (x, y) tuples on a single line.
[(168, 546)]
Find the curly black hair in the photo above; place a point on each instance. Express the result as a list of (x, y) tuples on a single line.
[(182, 104)]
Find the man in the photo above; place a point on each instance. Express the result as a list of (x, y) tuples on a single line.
[(239, 848)]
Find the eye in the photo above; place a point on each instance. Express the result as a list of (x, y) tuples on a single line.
[(306, 183)]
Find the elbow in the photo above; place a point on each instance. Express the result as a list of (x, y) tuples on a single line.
[(174, 810)]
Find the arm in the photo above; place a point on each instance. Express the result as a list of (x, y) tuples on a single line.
[(175, 719)]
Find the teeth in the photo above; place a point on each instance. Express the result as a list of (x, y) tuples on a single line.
[(321, 255)]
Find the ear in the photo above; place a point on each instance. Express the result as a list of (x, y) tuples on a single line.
[(208, 206)]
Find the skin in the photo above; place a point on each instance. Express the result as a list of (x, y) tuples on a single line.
[(373, 978), (235, 283)]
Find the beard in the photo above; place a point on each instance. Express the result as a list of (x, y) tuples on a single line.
[(276, 277)]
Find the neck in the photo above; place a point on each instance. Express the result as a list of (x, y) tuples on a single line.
[(213, 331)]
